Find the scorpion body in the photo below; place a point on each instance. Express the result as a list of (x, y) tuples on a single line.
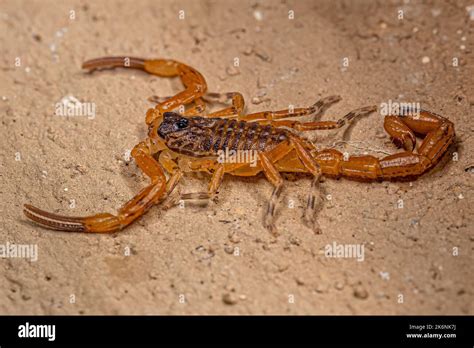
[(191, 141), (200, 136)]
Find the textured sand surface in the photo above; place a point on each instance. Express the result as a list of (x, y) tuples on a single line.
[(219, 259)]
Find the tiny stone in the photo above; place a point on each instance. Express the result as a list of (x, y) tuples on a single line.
[(425, 60), (232, 71), (263, 56), (229, 299), (360, 292), (299, 281), (234, 238), (319, 289), (339, 285), (229, 249), (258, 15), (248, 50), (126, 155)]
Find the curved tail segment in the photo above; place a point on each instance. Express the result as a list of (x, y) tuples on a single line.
[(437, 132), (108, 222), (114, 62)]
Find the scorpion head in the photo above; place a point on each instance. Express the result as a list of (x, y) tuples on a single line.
[(173, 125), (185, 134)]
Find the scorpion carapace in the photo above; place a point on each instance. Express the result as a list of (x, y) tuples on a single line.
[(192, 140), (201, 136)]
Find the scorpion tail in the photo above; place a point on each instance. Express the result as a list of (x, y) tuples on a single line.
[(100, 223), (114, 62), (53, 221), (438, 134)]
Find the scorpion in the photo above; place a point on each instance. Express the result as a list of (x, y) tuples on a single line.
[(190, 141)]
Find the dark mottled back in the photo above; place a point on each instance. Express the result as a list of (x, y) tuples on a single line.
[(201, 136)]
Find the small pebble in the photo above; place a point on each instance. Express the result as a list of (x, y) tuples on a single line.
[(299, 281), (319, 289), (425, 60), (229, 299), (232, 71), (248, 50), (339, 285), (360, 292), (229, 249), (127, 155), (258, 15)]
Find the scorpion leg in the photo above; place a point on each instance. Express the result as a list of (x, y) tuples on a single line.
[(273, 166), (275, 178), (322, 125), (216, 180), (438, 134), (314, 168), (235, 110), (317, 109), (132, 210)]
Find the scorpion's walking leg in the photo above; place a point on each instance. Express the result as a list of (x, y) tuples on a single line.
[(317, 109), (133, 209), (235, 110), (275, 178), (216, 181), (268, 164), (322, 125), (314, 168), (438, 134)]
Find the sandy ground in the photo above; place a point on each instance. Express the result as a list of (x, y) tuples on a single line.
[(418, 237)]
